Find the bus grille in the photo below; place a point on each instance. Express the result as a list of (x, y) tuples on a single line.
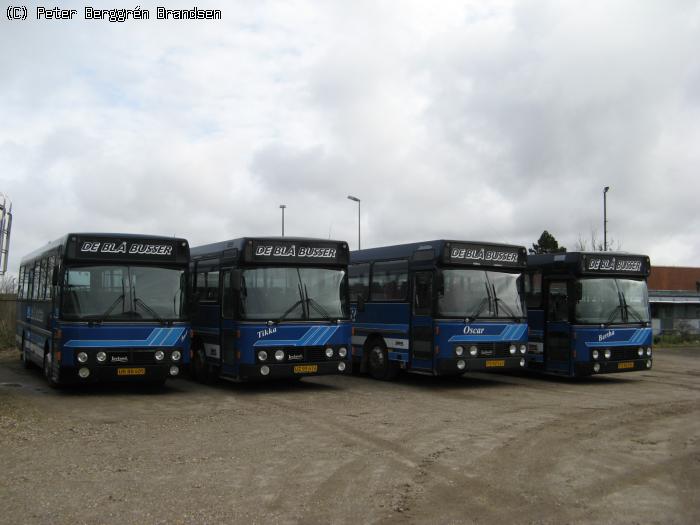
[(624, 353), (315, 353), (493, 349)]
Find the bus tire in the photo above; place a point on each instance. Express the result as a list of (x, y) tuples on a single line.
[(378, 362), (200, 367), (26, 362), (49, 370)]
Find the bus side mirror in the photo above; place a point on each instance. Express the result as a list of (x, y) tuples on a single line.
[(54, 276), (360, 302)]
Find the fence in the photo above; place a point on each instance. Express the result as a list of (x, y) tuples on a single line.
[(8, 311)]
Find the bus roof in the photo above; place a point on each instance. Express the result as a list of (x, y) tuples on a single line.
[(591, 263), (452, 252), (285, 250), (97, 253)]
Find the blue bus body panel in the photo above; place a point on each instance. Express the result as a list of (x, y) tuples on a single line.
[(587, 338), (81, 337), (260, 337)]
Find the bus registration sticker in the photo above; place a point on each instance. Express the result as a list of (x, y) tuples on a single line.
[(305, 369), (625, 364), (131, 371), (493, 363)]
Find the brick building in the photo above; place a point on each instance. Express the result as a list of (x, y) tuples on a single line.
[(674, 294)]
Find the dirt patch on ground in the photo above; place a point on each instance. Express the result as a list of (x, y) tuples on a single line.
[(477, 449)]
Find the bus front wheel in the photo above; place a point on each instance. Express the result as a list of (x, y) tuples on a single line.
[(379, 365), (49, 371)]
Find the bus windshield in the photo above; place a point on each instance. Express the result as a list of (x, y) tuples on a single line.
[(469, 294), (123, 293), (612, 301), (279, 293)]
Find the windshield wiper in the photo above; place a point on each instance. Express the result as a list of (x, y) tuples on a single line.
[(138, 301), (113, 306), (629, 310), (301, 301), (317, 306), (618, 308), (505, 306)]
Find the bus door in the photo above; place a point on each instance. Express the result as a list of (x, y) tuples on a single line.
[(557, 334), (422, 320), (228, 327)]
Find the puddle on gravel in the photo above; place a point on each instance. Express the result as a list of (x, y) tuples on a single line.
[(11, 385)]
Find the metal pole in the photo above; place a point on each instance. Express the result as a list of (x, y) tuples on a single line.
[(282, 207), (359, 215), (605, 218)]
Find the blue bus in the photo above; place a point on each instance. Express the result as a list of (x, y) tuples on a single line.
[(588, 313), (102, 306), (270, 308), (438, 307)]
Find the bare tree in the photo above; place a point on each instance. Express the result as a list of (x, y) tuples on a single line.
[(595, 244), (8, 284)]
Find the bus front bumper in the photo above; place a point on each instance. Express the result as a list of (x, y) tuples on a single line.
[(451, 366), (613, 367), (287, 370), (132, 373)]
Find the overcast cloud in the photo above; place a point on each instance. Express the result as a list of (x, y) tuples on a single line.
[(481, 120)]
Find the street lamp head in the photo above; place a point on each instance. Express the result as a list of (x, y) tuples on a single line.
[(605, 190), (283, 206), (353, 198)]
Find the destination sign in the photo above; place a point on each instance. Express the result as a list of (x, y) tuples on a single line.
[(111, 248), (461, 253), (600, 263), (301, 252)]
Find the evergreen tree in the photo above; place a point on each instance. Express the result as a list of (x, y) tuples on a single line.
[(547, 244)]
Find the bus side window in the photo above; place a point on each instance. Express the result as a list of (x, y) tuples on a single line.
[(36, 286), (20, 283), (227, 299), (212, 293), (389, 281), (423, 293), (201, 284), (533, 289), (49, 277), (358, 277), (558, 304)]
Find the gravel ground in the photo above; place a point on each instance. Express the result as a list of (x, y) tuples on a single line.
[(476, 449)]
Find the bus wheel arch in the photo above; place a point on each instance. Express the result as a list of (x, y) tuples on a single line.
[(378, 364), (49, 367), (26, 362)]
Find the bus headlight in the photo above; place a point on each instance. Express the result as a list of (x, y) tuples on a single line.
[(473, 350), (262, 355), (101, 356), (640, 351), (522, 362), (174, 370), (595, 354), (596, 368), (329, 352), (341, 366), (279, 355), (176, 355), (512, 349), (461, 364), (84, 372), (159, 355), (608, 353), (648, 363), (459, 351), (82, 358), (342, 352), (523, 349), (264, 370), (649, 351)]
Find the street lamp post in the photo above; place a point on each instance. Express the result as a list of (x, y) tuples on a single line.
[(605, 218), (282, 207), (359, 205)]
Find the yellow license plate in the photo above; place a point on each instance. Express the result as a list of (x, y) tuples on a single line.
[(625, 364), (305, 369), (131, 371), (493, 363)]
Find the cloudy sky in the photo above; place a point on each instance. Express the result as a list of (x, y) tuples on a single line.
[(482, 120)]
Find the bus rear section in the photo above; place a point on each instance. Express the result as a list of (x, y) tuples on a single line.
[(589, 313), (105, 307), (438, 307), (270, 308)]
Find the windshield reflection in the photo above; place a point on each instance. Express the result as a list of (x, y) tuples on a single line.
[(123, 293), (471, 294), (283, 293), (607, 300)]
